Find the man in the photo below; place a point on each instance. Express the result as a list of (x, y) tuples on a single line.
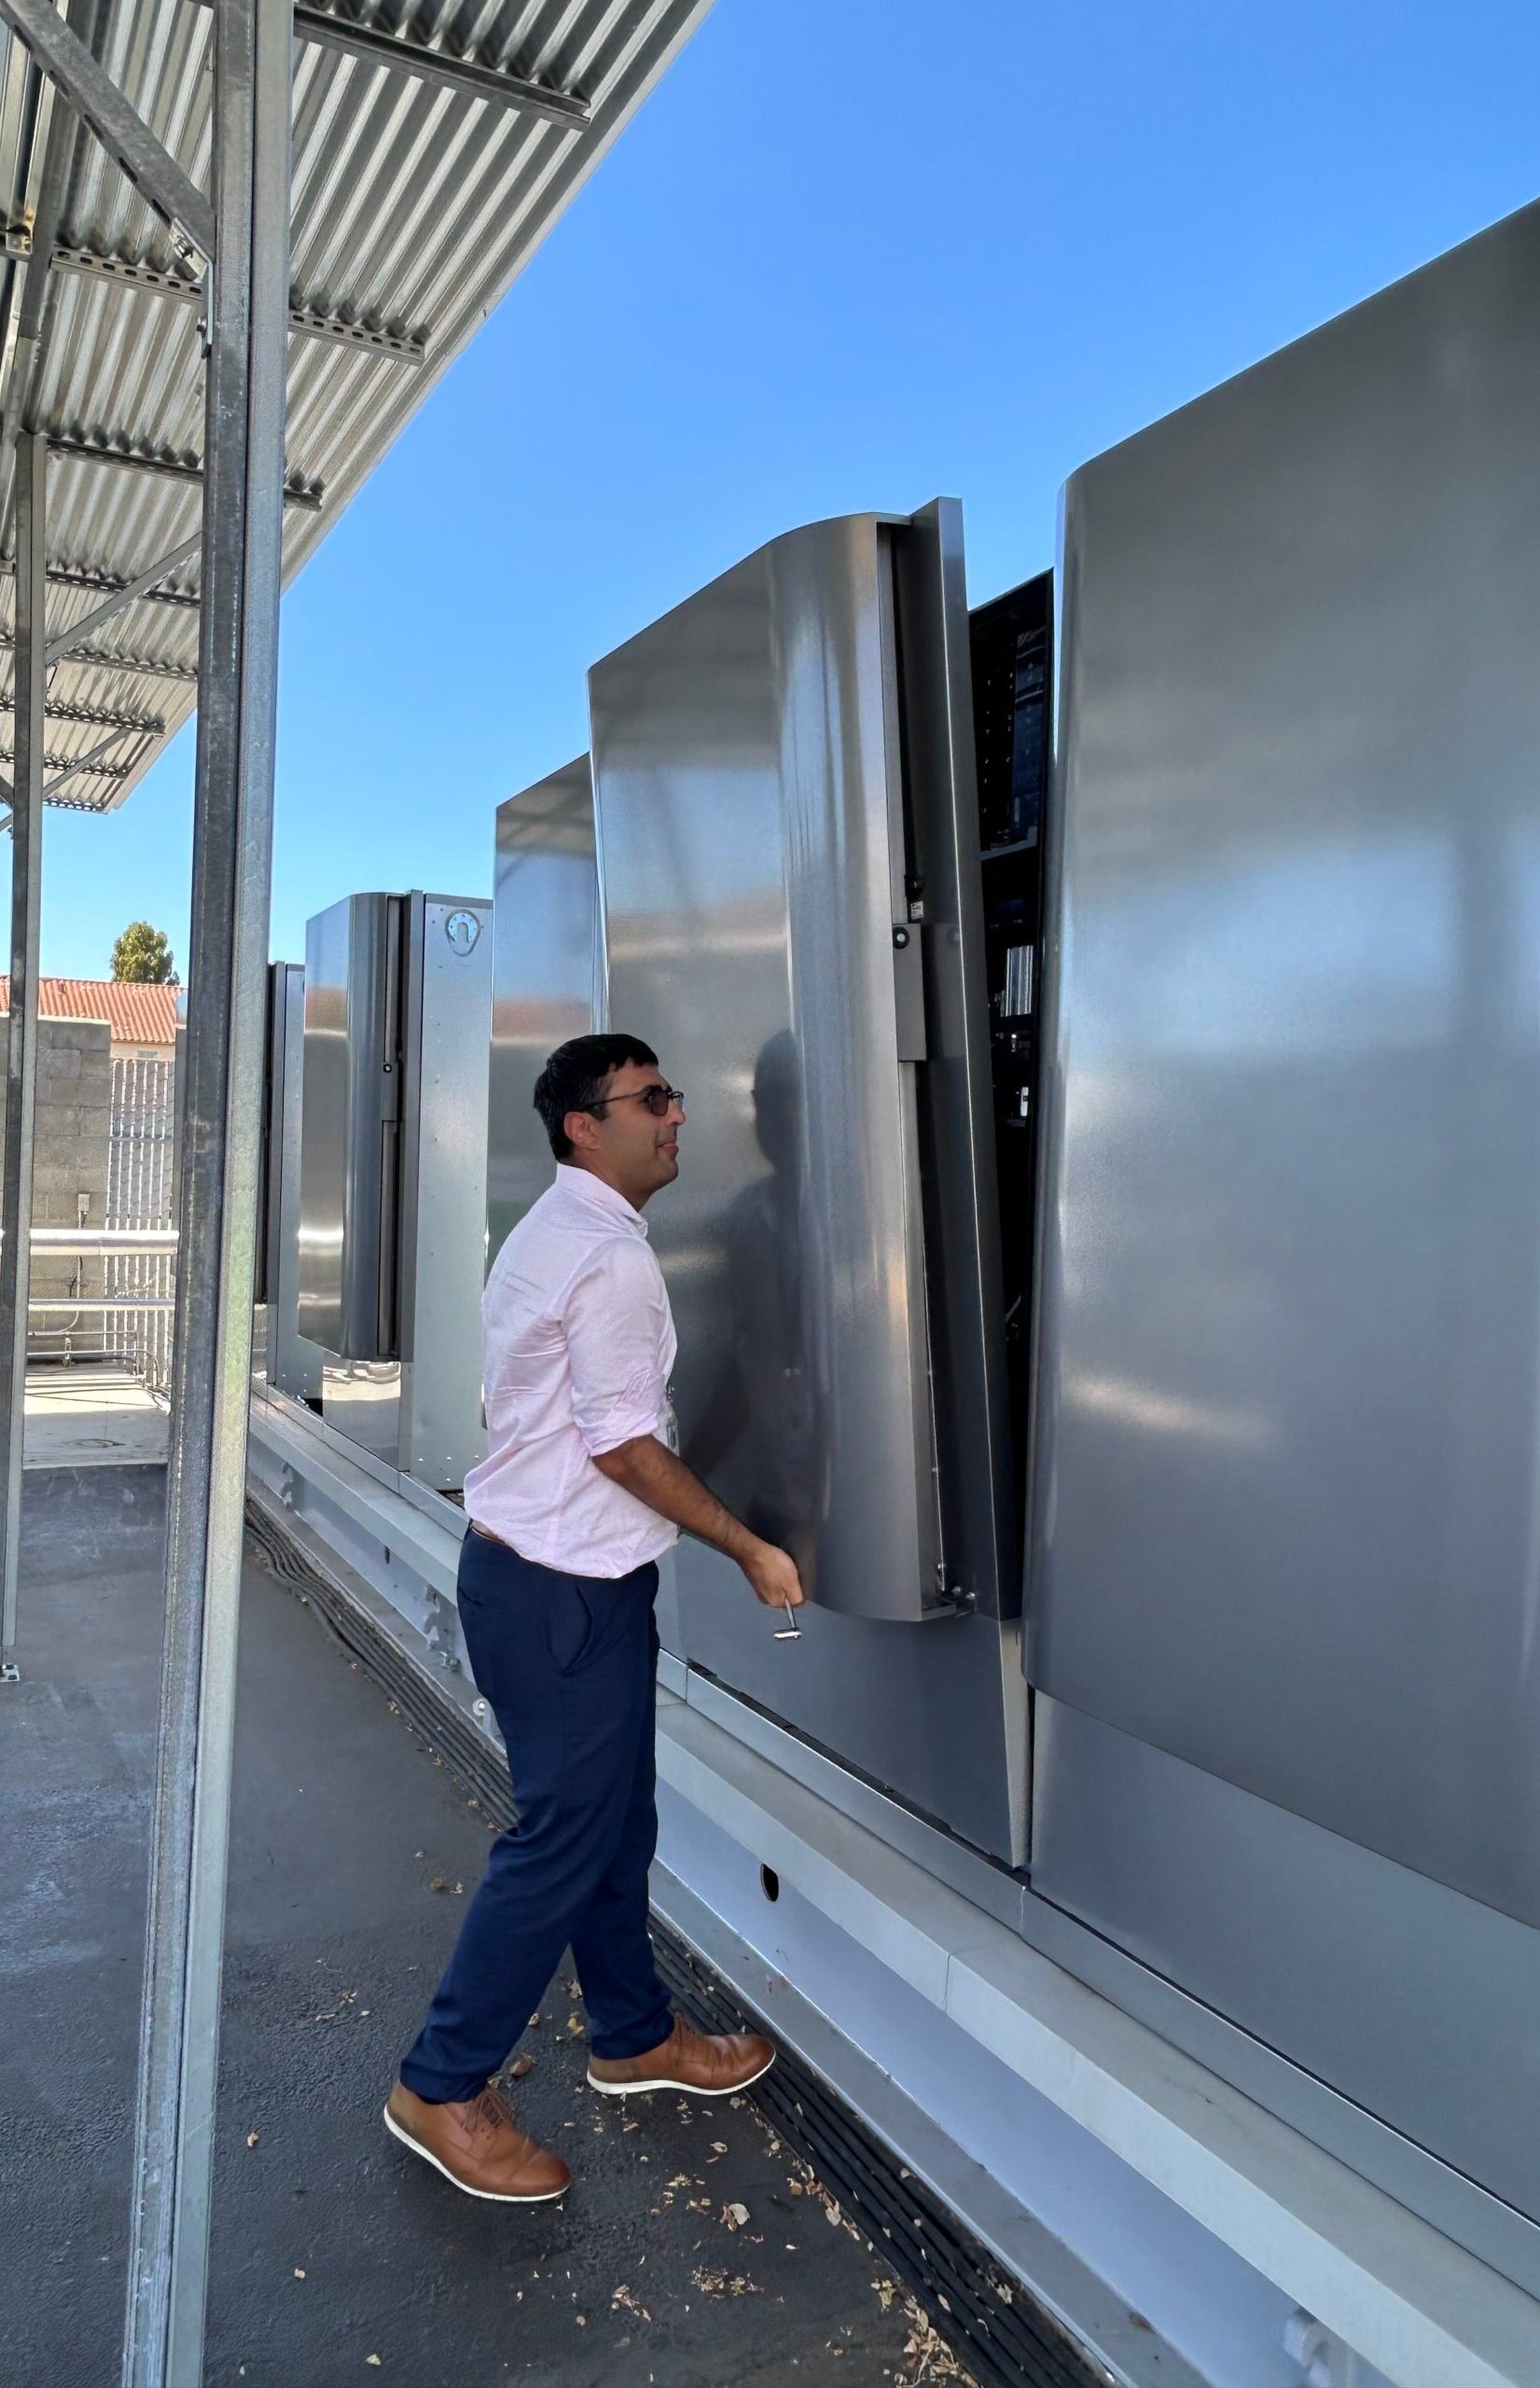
[(579, 1495)]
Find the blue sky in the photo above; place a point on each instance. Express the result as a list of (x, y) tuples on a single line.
[(852, 253)]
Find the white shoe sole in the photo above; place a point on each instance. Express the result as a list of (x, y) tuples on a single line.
[(493, 2197), (686, 2089)]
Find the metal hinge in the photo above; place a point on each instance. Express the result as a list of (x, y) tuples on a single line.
[(950, 1596)]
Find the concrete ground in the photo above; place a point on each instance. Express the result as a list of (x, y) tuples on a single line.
[(337, 2256), (90, 1416)]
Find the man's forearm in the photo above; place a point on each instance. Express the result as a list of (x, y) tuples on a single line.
[(647, 1468)]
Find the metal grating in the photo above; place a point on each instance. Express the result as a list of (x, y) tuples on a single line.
[(1006, 2338), (141, 1193), (415, 207)]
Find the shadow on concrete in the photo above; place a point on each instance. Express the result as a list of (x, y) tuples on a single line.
[(350, 1853)]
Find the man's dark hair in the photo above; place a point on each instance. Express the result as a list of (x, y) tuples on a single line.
[(574, 1079)]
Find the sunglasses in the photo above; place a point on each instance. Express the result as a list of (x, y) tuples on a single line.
[(658, 1100)]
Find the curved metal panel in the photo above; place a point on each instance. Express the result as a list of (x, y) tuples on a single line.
[(747, 784), (351, 1114), (293, 1365), (545, 975), (1287, 1483)]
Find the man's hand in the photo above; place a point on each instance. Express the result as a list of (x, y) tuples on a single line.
[(774, 1577), (655, 1475)]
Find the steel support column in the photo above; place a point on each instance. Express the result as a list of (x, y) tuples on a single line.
[(242, 533), (26, 870)]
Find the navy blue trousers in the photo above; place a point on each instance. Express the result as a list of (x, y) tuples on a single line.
[(569, 1664)]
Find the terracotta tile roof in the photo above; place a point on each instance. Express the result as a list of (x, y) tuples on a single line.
[(135, 1013)]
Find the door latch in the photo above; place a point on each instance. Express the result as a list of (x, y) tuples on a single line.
[(909, 991)]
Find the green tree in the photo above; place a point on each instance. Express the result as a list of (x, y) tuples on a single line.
[(141, 953)]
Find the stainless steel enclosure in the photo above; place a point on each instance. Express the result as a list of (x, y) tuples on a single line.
[(787, 841), (289, 1363), (393, 1172), (545, 975), (1285, 1546), (447, 979), (351, 1161)]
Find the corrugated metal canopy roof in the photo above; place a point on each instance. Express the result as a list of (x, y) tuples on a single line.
[(415, 207)]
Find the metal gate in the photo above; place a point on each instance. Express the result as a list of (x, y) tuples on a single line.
[(142, 1193)]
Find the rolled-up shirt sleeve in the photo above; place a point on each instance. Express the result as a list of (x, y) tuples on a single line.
[(615, 1319)]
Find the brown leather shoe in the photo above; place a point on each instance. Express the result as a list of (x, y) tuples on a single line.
[(709, 2067), (476, 2144)]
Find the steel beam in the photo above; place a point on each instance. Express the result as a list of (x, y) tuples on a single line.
[(88, 762), (342, 331), (148, 667), (150, 167), (21, 1045), (309, 321), (127, 272), (143, 460), (465, 75), (125, 594), (461, 75), (148, 725), (67, 764), (100, 584), (205, 1497)]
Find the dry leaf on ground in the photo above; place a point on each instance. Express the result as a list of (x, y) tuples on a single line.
[(929, 2352), (717, 2282)]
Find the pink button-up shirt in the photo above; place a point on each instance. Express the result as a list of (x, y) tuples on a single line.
[(577, 1344)]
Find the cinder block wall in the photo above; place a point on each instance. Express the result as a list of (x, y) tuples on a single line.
[(70, 1168)]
